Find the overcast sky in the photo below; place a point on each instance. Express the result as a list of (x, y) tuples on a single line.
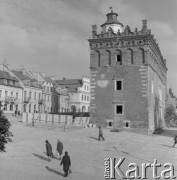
[(51, 35)]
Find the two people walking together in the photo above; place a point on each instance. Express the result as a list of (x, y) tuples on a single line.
[(59, 149)]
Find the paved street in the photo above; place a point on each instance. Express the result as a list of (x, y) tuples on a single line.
[(25, 158)]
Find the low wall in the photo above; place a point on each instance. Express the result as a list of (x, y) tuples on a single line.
[(54, 119)]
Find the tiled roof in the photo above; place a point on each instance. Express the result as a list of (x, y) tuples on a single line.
[(69, 82), (49, 80), (6, 75), (20, 75), (25, 78)]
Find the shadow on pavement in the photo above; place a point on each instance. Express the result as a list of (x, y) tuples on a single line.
[(93, 138), (41, 157), (168, 146), (54, 171), (169, 132), (54, 157)]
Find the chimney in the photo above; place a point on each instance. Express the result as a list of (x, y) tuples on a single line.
[(144, 25), (94, 30)]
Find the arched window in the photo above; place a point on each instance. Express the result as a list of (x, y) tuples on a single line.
[(98, 58), (141, 55), (95, 59), (130, 56), (73, 108), (109, 57), (118, 57)]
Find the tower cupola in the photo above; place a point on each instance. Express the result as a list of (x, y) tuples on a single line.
[(112, 22)]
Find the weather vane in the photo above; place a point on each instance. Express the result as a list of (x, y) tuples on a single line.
[(110, 8)]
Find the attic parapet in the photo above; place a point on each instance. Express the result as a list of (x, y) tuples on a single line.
[(157, 49), (126, 32)]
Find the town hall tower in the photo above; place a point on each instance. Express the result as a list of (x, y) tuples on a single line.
[(128, 77)]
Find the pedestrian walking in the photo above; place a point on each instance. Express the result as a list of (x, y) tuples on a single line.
[(48, 149), (175, 140), (66, 163), (100, 134), (59, 148)]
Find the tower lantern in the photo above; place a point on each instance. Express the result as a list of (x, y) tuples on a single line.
[(112, 22)]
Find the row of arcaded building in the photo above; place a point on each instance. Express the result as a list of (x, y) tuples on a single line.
[(128, 77)]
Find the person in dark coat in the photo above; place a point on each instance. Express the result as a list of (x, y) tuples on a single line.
[(59, 148), (66, 163), (175, 140), (100, 134), (48, 149)]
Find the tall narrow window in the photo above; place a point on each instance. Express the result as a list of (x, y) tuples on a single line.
[(34, 108), (30, 94), (129, 56), (11, 107), (99, 61), (118, 85), (108, 58), (29, 108), (35, 95), (24, 108), (5, 107), (5, 93), (119, 57), (141, 55), (24, 94)]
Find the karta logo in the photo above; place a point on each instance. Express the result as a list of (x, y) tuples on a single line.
[(113, 170)]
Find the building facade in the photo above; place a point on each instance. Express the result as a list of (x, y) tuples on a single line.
[(79, 93), (10, 93), (63, 99), (128, 76), (47, 85), (32, 91)]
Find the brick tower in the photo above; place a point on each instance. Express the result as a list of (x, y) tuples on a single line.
[(128, 77)]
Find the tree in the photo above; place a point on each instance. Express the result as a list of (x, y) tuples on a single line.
[(5, 134), (170, 116)]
